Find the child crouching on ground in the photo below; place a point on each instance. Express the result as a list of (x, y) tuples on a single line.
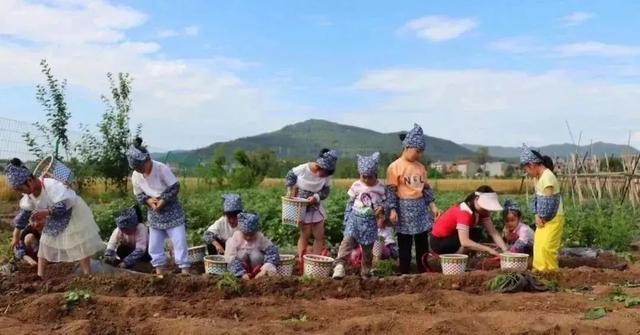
[(128, 243), (249, 253), (28, 244), (366, 198), (220, 232), (518, 235)]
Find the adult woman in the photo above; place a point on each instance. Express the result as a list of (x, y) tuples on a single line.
[(456, 232), (548, 208)]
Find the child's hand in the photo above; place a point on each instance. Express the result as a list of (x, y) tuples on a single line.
[(39, 215), (246, 277), (152, 203), (160, 203), (436, 212), (393, 216), (540, 222), (122, 265), (312, 200)]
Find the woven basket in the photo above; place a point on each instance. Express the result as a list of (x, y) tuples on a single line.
[(318, 266), (510, 261), (378, 247), (215, 265), (287, 263), (196, 254), (53, 168), (293, 210), (453, 264)]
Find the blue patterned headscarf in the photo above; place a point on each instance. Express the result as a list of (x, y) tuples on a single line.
[(16, 175), (248, 223), (328, 160), (137, 157), (414, 138), (528, 157), (232, 203), (511, 206), (368, 165), (127, 219)]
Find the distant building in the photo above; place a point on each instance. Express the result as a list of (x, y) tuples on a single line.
[(441, 166), (466, 168), (495, 169)]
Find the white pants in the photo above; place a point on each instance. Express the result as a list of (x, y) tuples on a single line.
[(178, 237)]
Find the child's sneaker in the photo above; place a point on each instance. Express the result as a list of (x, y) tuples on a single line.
[(338, 272)]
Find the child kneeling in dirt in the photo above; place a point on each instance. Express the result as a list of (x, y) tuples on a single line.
[(249, 253), (363, 213), (128, 243), (220, 232), (28, 244), (518, 235)]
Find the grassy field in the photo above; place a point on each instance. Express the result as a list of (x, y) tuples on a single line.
[(97, 189)]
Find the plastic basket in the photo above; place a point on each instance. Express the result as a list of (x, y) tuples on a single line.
[(294, 210), (453, 264), (53, 168), (215, 265), (318, 266), (287, 262), (510, 261)]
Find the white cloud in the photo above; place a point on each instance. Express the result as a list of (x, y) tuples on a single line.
[(600, 49), (67, 21), (576, 18), (182, 103), (440, 28), (186, 31), (519, 44), (499, 107)]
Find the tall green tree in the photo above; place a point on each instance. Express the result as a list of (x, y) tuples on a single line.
[(482, 155), (115, 132), (53, 133)]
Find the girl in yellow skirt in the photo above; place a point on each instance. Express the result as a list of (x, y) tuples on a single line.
[(548, 208)]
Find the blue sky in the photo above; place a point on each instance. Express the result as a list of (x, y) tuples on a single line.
[(500, 72)]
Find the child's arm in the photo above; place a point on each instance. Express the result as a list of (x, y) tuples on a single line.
[(231, 256), (430, 200), (20, 222), (170, 195), (112, 246), (290, 182), (391, 194)]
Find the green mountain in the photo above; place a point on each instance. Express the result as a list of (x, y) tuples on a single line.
[(305, 139), (560, 150)]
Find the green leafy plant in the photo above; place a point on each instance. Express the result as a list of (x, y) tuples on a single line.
[(618, 295), (228, 281), (384, 268), (74, 297), (306, 279), (297, 317), (595, 313), (502, 282)]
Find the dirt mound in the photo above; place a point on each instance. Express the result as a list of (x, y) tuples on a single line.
[(426, 304)]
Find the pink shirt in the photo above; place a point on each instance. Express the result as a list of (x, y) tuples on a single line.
[(237, 243), (366, 198), (523, 232)]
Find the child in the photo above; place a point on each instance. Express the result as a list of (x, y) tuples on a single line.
[(411, 200), (69, 232), (156, 186), (128, 241), (28, 244), (548, 208), (518, 235), (220, 231), (366, 197), (249, 253), (312, 181)]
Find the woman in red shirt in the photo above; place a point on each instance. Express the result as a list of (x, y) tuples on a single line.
[(456, 230)]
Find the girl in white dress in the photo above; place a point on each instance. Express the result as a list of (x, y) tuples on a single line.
[(69, 231)]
